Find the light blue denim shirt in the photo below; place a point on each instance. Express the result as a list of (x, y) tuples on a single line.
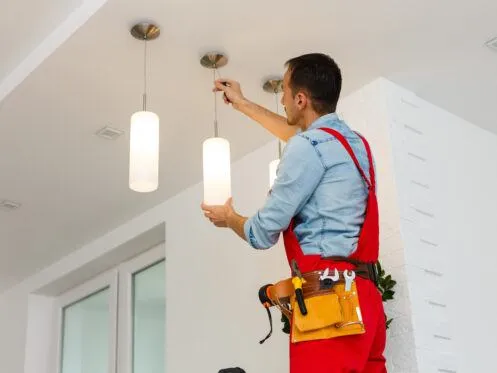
[(318, 184)]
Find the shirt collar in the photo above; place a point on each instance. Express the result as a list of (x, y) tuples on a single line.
[(328, 120)]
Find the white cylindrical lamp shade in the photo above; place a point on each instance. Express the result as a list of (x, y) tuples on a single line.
[(273, 166), (144, 152), (217, 171)]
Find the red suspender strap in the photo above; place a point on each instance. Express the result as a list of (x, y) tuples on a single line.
[(346, 145), (372, 176)]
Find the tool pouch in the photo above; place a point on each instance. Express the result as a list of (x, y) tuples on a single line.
[(332, 314)]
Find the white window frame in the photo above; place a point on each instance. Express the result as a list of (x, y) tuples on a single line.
[(106, 280), (125, 320), (119, 281)]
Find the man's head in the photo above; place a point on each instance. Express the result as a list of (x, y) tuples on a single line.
[(311, 88)]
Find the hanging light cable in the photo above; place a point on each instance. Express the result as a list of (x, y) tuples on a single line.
[(144, 131), (216, 150), (274, 86)]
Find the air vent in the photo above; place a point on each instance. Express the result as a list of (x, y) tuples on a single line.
[(492, 44), (6, 205), (109, 133)]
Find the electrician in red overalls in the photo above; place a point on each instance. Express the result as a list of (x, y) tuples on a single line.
[(324, 202)]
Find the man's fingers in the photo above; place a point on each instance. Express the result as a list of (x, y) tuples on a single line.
[(210, 215), (226, 85), (205, 207), (225, 81), (220, 87), (213, 213)]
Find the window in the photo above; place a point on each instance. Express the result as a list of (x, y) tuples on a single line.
[(116, 322), (85, 334), (148, 320)]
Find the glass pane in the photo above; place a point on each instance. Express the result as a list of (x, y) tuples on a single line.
[(85, 335), (149, 319)]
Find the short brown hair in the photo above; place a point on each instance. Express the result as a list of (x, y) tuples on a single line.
[(319, 76)]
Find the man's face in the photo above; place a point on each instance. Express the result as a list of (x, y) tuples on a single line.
[(288, 102)]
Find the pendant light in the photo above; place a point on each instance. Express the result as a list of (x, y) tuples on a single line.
[(274, 86), (144, 131), (216, 150)]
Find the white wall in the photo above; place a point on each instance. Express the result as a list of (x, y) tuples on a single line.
[(469, 210), (212, 280), (476, 262), (13, 322), (446, 174), (437, 211)]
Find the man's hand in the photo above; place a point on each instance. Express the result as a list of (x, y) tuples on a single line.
[(218, 215), (274, 123), (224, 216), (232, 92)]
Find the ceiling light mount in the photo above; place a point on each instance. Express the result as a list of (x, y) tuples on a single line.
[(273, 85), (214, 60), (145, 31)]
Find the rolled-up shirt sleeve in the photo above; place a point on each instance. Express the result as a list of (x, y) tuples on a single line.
[(299, 172)]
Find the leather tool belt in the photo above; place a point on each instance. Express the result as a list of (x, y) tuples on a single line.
[(333, 309)]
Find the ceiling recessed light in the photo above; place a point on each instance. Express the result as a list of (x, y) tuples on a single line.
[(7, 205), (109, 133), (492, 44)]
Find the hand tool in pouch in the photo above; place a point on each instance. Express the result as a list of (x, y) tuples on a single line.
[(297, 281)]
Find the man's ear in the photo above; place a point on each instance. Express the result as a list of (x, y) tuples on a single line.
[(301, 100)]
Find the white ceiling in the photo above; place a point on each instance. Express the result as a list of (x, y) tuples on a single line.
[(22, 30), (73, 185)]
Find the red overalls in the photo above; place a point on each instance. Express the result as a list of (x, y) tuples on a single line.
[(361, 353)]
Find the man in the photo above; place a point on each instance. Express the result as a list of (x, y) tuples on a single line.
[(324, 202)]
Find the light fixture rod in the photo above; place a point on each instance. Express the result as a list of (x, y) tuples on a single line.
[(214, 60), (216, 126), (145, 32), (277, 112), (145, 76)]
